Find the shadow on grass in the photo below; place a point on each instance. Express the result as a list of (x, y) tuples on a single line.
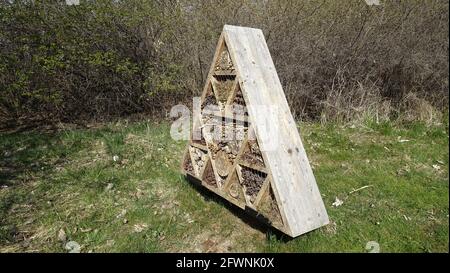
[(248, 216), (23, 155)]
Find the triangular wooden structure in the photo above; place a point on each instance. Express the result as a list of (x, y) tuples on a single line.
[(275, 183)]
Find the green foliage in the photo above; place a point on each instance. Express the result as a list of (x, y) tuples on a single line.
[(165, 81), (96, 58), (337, 61)]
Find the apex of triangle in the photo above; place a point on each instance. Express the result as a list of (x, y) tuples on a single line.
[(230, 27)]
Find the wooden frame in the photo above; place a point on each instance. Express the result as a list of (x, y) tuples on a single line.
[(276, 183)]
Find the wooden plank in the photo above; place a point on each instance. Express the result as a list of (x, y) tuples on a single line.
[(262, 191), (293, 144), (273, 158), (250, 89), (284, 139), (293, 147), (183, 159), (294, 183), (194, 164), (211, 69), (251, 166), (199, 146), (221, 73), (239, 173)]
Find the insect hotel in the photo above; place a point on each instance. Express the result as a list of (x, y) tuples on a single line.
[(244, 143)]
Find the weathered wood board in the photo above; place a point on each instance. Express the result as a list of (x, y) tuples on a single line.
[(253, 158)]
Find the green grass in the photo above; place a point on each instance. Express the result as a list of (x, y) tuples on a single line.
[(141, 203)]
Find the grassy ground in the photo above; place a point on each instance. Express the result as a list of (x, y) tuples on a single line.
[(66, 186)]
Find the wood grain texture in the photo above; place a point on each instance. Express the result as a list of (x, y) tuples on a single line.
[(293, 181)]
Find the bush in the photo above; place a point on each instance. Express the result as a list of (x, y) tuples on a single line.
[(97, 59), (337, 60)]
